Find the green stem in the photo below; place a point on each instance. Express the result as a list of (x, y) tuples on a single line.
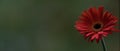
[(103, 44)]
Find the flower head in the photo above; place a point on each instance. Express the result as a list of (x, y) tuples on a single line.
[(96, 23)]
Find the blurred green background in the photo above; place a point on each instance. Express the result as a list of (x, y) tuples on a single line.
[(48, 25)]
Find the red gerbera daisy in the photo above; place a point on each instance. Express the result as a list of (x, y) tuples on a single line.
[(96, 23)]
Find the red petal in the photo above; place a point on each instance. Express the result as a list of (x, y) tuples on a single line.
[(103, 33), (89, 34), (108, 28), (104, 16), (101, 9), (94, 13), (115, 30), (95, 36), (111, 23), (88, 18)]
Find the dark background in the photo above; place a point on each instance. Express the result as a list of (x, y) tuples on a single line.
[(48, 25)]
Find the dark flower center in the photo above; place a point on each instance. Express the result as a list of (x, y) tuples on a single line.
[(97, 26)]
